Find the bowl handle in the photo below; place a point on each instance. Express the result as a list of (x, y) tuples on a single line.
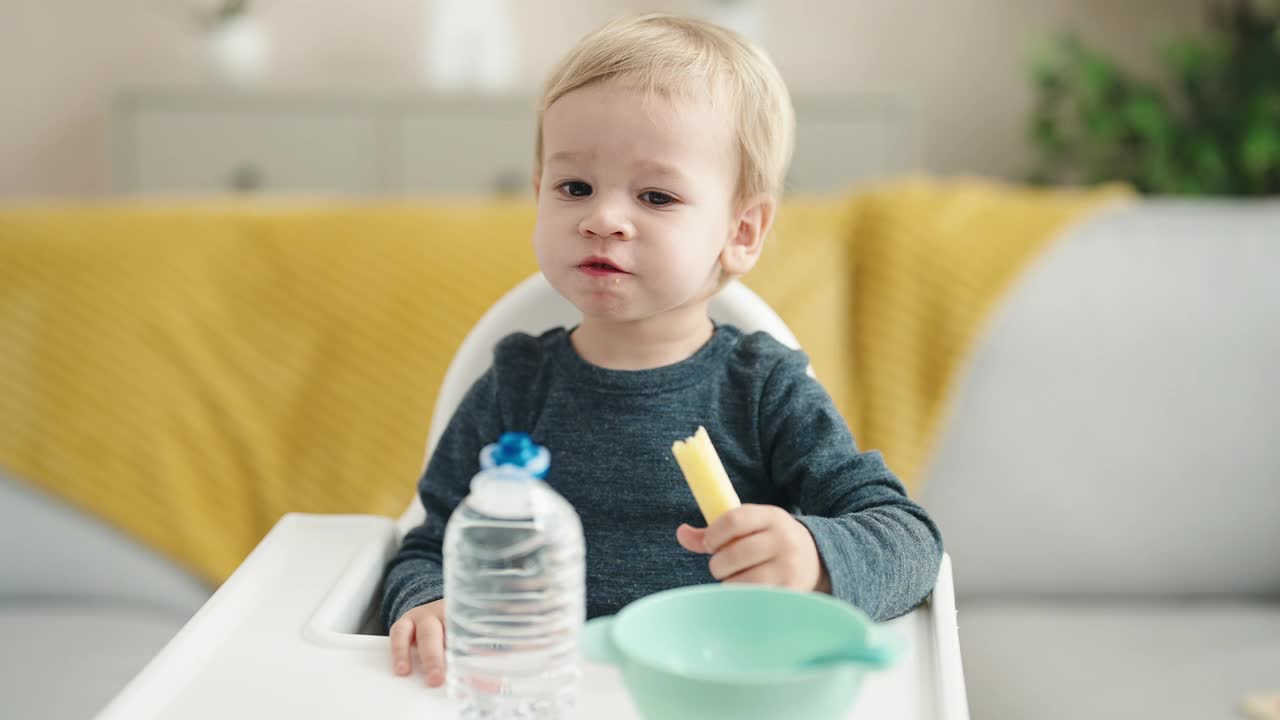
[(597, 641)]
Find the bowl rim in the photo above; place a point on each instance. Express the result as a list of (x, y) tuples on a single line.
[(771, 677)]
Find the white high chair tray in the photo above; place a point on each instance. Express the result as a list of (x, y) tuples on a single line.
[(280, 639)]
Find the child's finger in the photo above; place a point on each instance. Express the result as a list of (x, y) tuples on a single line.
[(743, 554), (692, 539), (740, 521), (401, 638), (431, 650), (765, 574)]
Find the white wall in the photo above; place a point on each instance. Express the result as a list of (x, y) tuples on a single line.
[(960, 62)]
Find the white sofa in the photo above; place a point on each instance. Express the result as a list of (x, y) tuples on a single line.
[(82, 607), (1108, 481), (1107, 484)]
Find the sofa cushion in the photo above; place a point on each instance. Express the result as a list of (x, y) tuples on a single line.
[(1115, 433), (1194, 661), (67, 662)]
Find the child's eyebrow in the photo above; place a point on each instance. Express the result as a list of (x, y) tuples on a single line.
[(649, 166), (568, 156), (656, 167)]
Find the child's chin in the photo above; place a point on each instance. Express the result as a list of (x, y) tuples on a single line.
[(606, 312), (600, 302), (609, 308)]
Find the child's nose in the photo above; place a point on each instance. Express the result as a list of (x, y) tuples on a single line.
[(606, 219)]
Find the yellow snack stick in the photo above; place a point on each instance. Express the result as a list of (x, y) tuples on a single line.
[(705, 474)]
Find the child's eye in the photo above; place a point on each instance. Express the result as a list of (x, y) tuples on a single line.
[(575, 188), (654, 197)]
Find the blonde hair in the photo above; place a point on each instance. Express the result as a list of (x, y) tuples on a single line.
[(678, 56)]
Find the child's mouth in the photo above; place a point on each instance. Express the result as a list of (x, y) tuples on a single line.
[(600, 269)]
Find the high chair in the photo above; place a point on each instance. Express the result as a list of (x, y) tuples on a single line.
[(293, 632)]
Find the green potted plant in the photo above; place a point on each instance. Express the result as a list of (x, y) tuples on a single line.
[(1213, 128)]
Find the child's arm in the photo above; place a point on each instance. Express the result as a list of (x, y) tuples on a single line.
[(415, 574), (880, 550)]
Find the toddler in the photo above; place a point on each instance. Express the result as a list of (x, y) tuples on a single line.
[(662, 144)]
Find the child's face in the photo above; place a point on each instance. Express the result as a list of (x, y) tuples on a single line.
[(635, 201)]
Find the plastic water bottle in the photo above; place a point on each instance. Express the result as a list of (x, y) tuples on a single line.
[(514, 587)]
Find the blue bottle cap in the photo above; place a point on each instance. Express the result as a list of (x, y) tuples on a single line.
[(519, 450)]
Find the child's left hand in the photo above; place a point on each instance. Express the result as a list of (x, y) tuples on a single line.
[(760, 545)]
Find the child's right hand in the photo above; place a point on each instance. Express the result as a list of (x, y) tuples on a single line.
[(422, 626)]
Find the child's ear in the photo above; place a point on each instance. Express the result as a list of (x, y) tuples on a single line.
[(746, 237)]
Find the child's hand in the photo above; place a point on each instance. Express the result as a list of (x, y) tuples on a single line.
[(761, 545), (422, 626)]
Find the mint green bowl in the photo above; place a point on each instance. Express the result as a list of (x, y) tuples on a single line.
[(740, 652)]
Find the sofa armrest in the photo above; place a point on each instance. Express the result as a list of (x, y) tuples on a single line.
[(72, 556)]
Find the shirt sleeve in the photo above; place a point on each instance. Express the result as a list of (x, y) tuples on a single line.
[(880, 549), (415, 574)]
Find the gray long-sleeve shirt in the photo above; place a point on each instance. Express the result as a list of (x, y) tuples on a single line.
[(775, 428)]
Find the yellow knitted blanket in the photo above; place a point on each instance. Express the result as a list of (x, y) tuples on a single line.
[(190, 372), (928, 262)]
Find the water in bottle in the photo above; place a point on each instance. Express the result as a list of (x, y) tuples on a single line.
[(514, 590)]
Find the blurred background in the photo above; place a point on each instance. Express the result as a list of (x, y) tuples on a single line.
[(1029, 245), (94, 90)]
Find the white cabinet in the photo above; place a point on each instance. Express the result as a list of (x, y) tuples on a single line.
[(205, 147), (466, 145), (844, 141), (212, 141)]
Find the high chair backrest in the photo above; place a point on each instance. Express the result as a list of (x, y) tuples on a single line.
[(534, 307)]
